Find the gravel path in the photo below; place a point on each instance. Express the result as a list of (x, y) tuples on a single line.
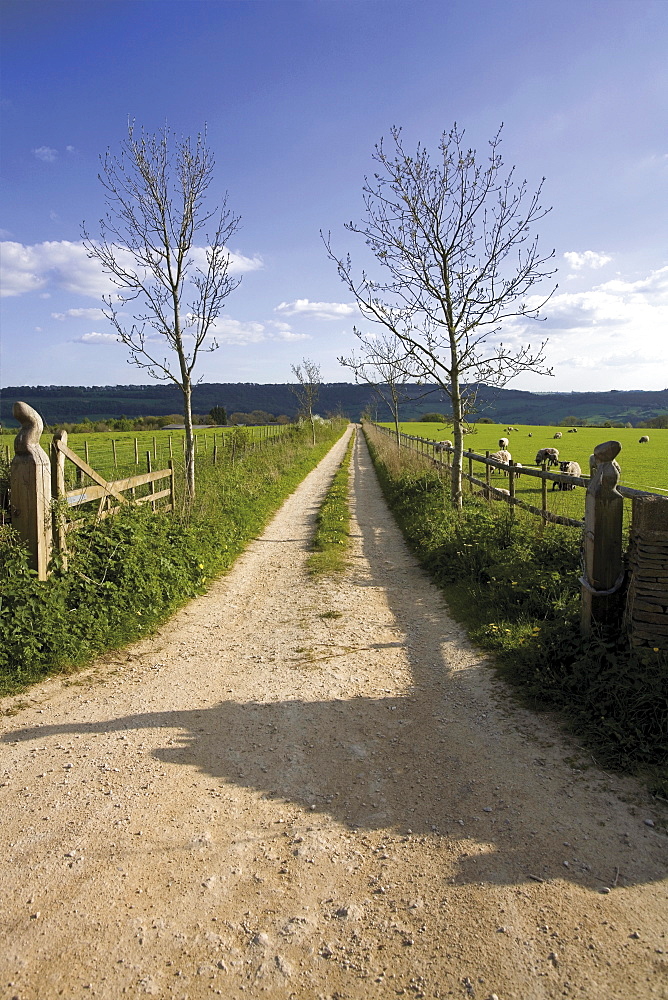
[(311, 790)]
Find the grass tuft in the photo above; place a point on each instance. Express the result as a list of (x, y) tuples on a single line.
[(332, 534)]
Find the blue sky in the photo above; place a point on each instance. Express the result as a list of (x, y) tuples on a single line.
[(295, 94)]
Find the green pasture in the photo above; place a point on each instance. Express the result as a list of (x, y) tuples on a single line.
[(162, 444), (644, 466)]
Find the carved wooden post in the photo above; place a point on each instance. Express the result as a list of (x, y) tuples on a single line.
[(58, 494), (603, 563), (30, 483)]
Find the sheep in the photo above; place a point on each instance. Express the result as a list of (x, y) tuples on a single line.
[(503, 442), (530, 434), (557, 435), (573, 430), (644, 439), (501, 456), (549, 455), (567, 469), (442, 446), (517, 469)]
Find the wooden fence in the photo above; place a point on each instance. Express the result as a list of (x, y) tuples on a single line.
[(612, 565), (41, 504)]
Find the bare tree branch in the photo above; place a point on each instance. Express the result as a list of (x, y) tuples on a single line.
[(155, 210), (453, 241)]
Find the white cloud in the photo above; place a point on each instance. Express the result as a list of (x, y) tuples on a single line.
[(62, 263), (67, 266), (46, 154), (96, 338), (290, 335), (587, 259), (239, 264), (70, 149), (317, 310), (92, 314), (234, 331), (619, 327)]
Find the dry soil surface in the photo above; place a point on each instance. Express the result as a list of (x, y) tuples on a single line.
[(316, 789)]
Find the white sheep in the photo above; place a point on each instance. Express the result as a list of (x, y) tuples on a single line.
[(567, 469), (549, 455), (644, 439), (503, 442), (557, 435), (501, 456)]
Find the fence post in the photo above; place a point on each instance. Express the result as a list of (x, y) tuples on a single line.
[(136, 452), (511, 485), (58, 494), (603, 535), (30, 484), (543, 493), (172, 497), (488, 481), (151, 486), (113, 448), (470, 472)]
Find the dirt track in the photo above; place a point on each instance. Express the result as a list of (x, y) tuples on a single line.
[(316, 790)]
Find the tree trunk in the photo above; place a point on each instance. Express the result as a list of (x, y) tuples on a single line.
[(313, 429), (457, 458), (190, 439), (395, 414)]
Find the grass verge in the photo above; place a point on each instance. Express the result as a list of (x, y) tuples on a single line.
[(513, 583), (129, 573), (332, 534)]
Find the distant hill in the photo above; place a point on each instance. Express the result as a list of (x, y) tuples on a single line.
[(62, 403)]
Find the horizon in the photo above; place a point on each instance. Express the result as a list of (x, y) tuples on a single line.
[(300, 99)]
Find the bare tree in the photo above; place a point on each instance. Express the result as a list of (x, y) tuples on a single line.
[(155, 207), (454, 240), (307, 388), (384, 365)]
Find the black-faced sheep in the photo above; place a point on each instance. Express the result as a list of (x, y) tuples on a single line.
[(503, 442), (573, 430), (557, 435), (530, 434), (644, 439), (549, 455), (567, 469)]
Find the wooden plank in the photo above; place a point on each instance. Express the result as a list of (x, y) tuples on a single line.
[(73, 457), (95, 492), (154, 496)]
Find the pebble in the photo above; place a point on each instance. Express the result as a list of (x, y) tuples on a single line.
[(649, 822)]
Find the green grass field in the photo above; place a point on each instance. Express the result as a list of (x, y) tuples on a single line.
[(644, 466), (101, 447)]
